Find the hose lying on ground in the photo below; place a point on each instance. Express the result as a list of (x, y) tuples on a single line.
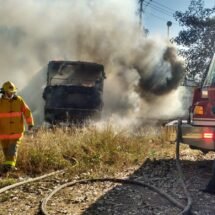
[(34, 179), (187, 209), (29, 180), (114, 180)]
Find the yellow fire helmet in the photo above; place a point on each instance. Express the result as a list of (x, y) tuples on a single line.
[(9, 87)]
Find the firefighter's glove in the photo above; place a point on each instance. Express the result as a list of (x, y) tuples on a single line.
[(30, 128), (30, 131)]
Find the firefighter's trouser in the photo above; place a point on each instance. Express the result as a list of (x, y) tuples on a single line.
[(10, 148)]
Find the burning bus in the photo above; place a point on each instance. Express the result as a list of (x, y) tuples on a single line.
[(74, 91)]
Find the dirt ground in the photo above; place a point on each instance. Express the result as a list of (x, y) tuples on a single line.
[(107, 198)]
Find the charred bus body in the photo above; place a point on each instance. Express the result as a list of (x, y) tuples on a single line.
[(74, 91)]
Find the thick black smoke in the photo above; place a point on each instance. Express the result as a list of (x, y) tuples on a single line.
[(157, 83)]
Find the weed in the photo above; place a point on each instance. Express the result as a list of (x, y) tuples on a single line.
[(6, 182), (95, 150)]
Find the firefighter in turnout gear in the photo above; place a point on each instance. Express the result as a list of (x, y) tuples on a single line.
[(13, 110)]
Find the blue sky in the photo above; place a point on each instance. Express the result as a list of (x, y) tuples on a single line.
[(158, 12)]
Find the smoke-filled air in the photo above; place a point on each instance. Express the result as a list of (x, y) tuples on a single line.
[(143, 74)]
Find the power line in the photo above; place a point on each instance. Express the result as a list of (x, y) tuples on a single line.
[(164, 6), (160, 10), (148, 3), (141, 3), (160, 18), (154, 5)]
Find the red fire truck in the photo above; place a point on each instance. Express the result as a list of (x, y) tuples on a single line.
[(199, 130)]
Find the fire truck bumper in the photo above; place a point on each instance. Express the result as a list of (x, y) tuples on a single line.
[(198, 137)]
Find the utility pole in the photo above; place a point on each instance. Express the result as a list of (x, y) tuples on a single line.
[(169, 24), (141, 11)]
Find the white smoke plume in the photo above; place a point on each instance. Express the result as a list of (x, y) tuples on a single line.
[(142, 74)]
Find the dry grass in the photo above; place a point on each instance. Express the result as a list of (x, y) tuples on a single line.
[(97, 151)]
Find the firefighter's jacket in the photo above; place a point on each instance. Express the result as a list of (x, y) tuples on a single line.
[(12, 114)]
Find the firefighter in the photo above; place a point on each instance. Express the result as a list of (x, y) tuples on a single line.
[(12, 111)]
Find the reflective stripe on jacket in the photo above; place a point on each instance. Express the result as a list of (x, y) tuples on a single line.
[(12, 112)]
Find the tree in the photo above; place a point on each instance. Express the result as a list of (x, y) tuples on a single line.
[(197, 39)]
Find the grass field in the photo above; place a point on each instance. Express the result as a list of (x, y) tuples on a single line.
[(90, 150)]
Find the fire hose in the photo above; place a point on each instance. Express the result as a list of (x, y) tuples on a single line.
[(9, 187), (187, 209), (114, 180)]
